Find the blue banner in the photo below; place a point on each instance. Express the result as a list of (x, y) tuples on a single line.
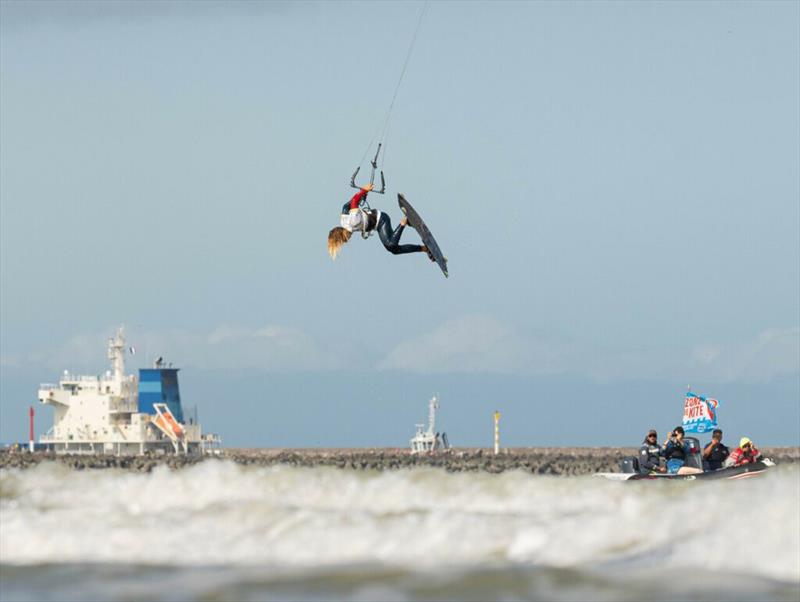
[(699, 413)]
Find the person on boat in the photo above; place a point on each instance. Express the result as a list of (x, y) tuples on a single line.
[(650, 454), (675, 451), (746, 453), (356, 217), (716, 452)]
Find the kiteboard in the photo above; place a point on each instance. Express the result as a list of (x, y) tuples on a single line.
[(416, 222)]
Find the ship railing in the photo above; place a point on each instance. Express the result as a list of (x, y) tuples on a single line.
[(78, 378), (48, 436), (48, 387)]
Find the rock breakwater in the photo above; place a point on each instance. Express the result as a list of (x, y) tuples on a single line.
[(565, 461)]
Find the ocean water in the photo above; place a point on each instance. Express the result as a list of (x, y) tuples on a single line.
[(220, 531)]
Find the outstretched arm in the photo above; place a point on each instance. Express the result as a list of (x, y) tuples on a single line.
[(358, 197)]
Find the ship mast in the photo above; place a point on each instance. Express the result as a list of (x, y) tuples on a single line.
[(116, 353), (432, 407)]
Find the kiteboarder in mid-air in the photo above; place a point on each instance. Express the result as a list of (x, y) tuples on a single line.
[(358, 216)]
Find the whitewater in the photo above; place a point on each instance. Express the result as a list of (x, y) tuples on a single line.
[(219, 530)]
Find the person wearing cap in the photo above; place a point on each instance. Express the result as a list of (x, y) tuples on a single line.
[(358, 217), (650, 454), (675, 450), (746, 453), (715, 453)]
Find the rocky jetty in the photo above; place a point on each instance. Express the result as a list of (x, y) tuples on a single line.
[(566, 461)]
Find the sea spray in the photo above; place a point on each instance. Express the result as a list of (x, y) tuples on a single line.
[(420, 522)]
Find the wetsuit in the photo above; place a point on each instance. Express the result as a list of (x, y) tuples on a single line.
[(717, 456), (355, 218), (649, 455), (391, 238)]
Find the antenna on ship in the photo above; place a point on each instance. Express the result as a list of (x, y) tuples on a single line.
[(116, 353)]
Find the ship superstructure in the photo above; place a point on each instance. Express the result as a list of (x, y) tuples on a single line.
[(429, 441), (120, 413)]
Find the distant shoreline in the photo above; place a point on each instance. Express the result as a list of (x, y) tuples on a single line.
[(559, 461)]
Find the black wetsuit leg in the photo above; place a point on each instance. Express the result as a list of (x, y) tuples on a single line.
[(391, 238)]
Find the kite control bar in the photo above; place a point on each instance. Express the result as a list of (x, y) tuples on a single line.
[(374, 164)]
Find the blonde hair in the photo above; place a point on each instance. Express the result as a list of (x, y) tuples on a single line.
[(336, 238)]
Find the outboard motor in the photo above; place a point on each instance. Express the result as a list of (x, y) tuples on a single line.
[(694, 456), (629, 465)]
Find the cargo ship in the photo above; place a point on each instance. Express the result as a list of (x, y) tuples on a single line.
[(122, 414)]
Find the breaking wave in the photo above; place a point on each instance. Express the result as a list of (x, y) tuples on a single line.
[(219, 514)]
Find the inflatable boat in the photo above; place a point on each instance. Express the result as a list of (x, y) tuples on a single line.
[(629, 468)]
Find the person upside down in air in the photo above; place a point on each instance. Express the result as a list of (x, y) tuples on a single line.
[(354, 217)]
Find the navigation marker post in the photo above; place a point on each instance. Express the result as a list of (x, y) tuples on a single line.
[(30, 439), (496, 432)]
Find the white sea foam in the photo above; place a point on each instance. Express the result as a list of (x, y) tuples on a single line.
[(219, 513)]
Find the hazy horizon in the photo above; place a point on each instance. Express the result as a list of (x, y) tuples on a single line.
[(616, 186)]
